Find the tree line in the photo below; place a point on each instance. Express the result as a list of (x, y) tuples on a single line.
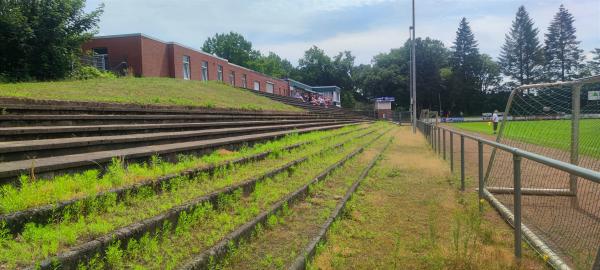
[(41, 40), (459, 80)]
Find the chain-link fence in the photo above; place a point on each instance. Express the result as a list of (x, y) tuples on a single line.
[(402, 117), (541, 169), (100, 61)]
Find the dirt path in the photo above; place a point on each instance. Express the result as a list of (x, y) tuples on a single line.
[(409, 214)]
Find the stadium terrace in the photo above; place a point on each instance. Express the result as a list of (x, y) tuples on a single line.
[(145, 56)]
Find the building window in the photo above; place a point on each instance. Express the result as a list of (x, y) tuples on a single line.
[(186, 67), (220, 73), (100, 58), (270, 87), (205, 71), (232, 78), (256, 86), (244, 83)]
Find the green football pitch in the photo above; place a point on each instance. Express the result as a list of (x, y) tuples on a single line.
[(549, 133)]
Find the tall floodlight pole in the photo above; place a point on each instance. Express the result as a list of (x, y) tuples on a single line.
[(414, 71), (410, 71)]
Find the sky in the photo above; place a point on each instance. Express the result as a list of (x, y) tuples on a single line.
[(364, 27)]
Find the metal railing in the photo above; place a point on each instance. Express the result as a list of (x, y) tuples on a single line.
[(434, 135)]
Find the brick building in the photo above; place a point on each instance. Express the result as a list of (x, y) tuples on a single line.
[(149, 57)]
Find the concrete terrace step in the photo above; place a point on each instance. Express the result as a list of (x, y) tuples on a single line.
[(17, 150), (47, 132), (31, 106), (57, 164), (86, 119), (298, 103)]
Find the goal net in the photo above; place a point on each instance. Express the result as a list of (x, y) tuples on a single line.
[(560, 121)]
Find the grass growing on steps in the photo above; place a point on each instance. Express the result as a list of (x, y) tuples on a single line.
[(38, 192), (204, 226), (279, 244), (409, 214), (153, 91), (76, 227)]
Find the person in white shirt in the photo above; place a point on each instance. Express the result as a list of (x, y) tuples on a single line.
[(495, 120)]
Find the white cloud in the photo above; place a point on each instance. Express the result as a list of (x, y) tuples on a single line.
[(282, 26), (489, 32)]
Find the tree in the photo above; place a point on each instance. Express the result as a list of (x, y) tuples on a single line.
[(521, 58), (14, 33), (465, 85), (342, 70), (594, 63), (315, 68), (272, 65), (564, 59), (388, 75), (42, 39), (489, 75), (233, 47)]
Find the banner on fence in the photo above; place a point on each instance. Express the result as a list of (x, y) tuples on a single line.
[(452, 119)]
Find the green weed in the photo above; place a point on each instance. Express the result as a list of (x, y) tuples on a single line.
[(43, 241), (46, 191)]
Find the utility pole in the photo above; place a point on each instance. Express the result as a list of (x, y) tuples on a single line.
[(410, 72), (413, 75)]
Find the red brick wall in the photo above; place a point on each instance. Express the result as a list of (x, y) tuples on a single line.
[(155, 58), (152, 58), (196, 59), (120, 49)]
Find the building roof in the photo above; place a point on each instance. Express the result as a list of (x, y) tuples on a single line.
[(313, 89), (322, 89), (297, 84), (161, 41)]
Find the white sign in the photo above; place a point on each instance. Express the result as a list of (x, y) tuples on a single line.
[(594, 95)]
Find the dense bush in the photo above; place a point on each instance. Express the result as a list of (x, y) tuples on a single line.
[(41, 40), (87, 72)]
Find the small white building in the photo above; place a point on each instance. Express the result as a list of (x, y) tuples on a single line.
[(383, 107)]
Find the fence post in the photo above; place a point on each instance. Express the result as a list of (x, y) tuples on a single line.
[(439, 138), (462, 162), (480, 155), (437, 133), (433, 138), (451, 151), (444, 142), (575, 115), (517, 204), (431, 135), (428, 134)]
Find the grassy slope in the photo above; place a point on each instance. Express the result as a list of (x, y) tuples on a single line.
[(409, 214), (156, 91), (551, 133)]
